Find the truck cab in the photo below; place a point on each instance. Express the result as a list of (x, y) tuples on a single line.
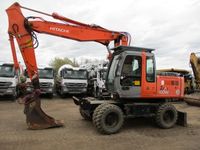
[(72, 80), (100, 90), (9, 80), (46, 78)]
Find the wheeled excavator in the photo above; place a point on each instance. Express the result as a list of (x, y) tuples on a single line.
[(23, 30), (135, 88)]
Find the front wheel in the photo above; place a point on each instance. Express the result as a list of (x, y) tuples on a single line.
[(166, 116), (108, 118)]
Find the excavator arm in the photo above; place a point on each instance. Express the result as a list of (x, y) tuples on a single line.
[(195, 64), (23, 30)]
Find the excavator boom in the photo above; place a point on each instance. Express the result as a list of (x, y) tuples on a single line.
[(23, 30), (195, 64)]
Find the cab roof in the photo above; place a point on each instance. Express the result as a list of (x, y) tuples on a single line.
[(132, 48)]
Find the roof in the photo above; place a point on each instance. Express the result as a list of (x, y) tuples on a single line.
[(132, 48), (6, 63)]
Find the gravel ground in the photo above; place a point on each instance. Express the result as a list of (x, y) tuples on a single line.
[(137, 134)]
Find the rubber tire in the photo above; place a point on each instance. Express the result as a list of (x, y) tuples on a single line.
[(160, 121), (84, 115), (62, 95), (99, 118), (14, 96), (50, 95)]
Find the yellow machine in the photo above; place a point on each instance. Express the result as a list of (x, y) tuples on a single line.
[(194, 98), (195, 64)]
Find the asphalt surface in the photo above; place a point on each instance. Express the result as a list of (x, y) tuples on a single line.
[(137, 134)]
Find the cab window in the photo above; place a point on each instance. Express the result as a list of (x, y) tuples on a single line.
[(131, 71), (150, 70)]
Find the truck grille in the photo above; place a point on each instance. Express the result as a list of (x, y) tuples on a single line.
[(5, 84), (75, 85), (45, 84)]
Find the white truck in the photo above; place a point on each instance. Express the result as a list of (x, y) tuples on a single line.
[(99, 83), (96, 79), (9, 80), (71, 80), (46, 78)]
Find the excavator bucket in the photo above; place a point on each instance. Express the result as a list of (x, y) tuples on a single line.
[(35, 116)]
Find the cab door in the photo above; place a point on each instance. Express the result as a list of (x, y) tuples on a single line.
[(131, 76)]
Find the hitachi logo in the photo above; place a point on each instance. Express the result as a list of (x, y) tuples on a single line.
[(59, 29)]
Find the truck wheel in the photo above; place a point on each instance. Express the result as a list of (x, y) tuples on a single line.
[(14, 96), (84, 115), (62, 95), (166, 116), (50, 95), (108, 118)]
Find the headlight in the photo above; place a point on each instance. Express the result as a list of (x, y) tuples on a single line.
[(65, 89), (111, 96), (50, 89), (9, 90)]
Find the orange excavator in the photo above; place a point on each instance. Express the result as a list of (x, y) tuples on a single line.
[(23, 30), (136, 89)]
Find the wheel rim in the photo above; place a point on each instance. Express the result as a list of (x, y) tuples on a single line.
[(111, 119), (168, 116)]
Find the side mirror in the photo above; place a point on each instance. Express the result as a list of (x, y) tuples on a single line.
[(118, 73), (122, 77)]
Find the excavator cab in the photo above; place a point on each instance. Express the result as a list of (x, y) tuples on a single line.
[(124, 78)]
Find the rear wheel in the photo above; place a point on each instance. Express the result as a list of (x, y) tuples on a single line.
[(108, 118), (166, 116)]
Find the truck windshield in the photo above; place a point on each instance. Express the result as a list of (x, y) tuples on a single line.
[(7, 71), (45, 73), (75, 74)]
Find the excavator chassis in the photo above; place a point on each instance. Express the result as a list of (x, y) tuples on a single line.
[(89, 105)]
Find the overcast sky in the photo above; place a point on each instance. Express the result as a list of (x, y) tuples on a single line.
[(172, 27)]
